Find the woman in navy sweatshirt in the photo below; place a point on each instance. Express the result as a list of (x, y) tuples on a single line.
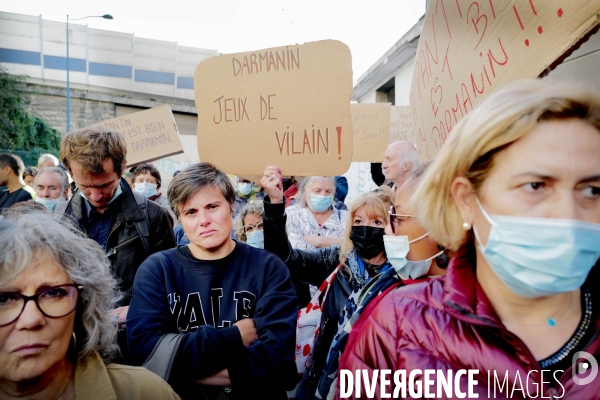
[(233, 304)]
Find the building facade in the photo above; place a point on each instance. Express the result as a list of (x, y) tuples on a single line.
[(112, 74)]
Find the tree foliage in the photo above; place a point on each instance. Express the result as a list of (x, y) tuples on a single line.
[(18, 129)]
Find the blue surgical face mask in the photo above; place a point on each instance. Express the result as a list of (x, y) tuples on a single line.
[(256, 239), (537, 257), (244, 188), (396, 250), (48, 203), (146, 188), (117, 194), (320, 203)]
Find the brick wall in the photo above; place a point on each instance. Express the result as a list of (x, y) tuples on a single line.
[(84, 112), (89, 106)]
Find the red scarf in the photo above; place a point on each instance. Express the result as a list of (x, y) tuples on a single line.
[(292, 190)]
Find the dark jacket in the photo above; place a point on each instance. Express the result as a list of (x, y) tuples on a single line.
[(313, 267), (124, 247), (447, 324), (306, 266)]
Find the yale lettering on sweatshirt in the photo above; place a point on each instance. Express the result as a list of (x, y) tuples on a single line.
[(191, 313)]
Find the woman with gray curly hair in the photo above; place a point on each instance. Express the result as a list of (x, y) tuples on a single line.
[(248, 224), (57, 345)]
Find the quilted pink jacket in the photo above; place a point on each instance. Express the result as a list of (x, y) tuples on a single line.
[(448, 323)]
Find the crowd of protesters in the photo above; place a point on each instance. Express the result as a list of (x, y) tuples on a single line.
[(484, 258)]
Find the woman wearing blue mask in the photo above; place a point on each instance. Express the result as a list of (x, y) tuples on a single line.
[(515, 191), (312, 221), (248, 224)]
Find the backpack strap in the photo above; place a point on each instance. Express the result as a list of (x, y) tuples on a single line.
[(160, 360), (142, 226)]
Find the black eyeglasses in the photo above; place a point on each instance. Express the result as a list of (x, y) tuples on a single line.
[(53, 302), (252, 228), (395, 219)]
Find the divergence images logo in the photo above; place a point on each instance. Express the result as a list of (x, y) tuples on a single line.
[(581, 368)]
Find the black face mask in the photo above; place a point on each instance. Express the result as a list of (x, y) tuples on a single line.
[(367, 240), (287, 182)]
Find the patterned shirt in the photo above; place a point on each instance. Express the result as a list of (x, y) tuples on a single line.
[(301, 221)]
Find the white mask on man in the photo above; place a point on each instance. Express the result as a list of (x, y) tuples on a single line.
[(48, 203)]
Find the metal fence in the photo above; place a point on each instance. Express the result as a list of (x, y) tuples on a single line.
[(29, 157)]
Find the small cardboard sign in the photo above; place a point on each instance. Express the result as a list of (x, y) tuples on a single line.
[(371, 123), (150, 134), (285, 106), (469, 49), (401, 125)]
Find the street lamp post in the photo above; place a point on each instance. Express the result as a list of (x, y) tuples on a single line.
[(105, 16)]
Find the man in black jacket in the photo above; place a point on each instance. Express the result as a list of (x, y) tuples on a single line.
[(124, 223)]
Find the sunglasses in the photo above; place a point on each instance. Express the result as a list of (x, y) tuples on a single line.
[(396, 219)]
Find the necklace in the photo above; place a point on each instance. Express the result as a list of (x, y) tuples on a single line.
[(550, 321), (577, 337)]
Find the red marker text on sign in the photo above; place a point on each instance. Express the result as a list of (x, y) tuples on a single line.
[(311, 142)]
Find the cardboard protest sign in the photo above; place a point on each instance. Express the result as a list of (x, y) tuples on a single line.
[(286, 106), (401, 124), (371, 123), (150, 134), (469, 49)]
